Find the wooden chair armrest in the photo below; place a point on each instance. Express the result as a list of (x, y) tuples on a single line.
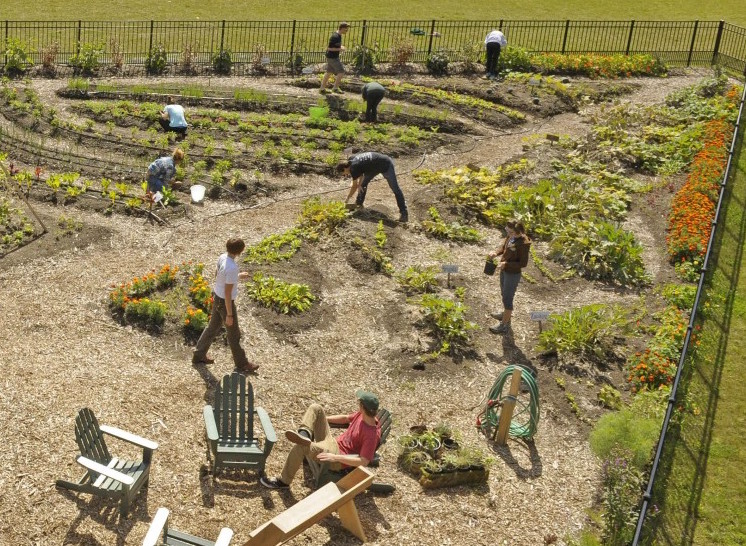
[(269, 430), (129, 437), (105, 470), (210, 425), (224, 538), (153, 538)]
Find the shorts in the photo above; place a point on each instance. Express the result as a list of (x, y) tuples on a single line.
[(334, 66)]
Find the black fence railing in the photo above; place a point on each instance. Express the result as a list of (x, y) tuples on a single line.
[(260, 46), (674, 399)]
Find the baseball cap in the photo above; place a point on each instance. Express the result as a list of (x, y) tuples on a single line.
[(368, 399)]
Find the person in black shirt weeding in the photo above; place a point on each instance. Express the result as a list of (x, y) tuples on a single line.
[(363, 167)]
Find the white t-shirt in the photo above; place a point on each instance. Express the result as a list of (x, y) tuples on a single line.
[(227, 274), (496, 37), (176, 117)]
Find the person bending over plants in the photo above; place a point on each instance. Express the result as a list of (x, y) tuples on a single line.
[(162, 170), (363, 168), (173, 119), (224, 292), (356, 446), (513, 258), (373, 93)]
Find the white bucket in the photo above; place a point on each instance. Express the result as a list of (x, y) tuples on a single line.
[(198, 192)]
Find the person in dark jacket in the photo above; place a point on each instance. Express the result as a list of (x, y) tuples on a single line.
[(513, 258), (373, 93), (363, 168)]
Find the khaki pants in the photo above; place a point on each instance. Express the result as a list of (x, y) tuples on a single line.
[(217, 320), (315, 422)]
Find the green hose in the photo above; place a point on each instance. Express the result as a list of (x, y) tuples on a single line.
[(526, 413)]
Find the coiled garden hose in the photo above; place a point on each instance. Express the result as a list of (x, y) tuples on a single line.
[(525, 418)]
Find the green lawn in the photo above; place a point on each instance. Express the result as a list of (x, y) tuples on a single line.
[(701, 486), (729, 10)]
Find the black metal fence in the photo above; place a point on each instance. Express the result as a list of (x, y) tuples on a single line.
[(269, 45)]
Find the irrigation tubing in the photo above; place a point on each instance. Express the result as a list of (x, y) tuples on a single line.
[(647, 496)]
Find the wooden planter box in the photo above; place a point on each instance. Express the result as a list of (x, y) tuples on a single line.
[(453, 478)]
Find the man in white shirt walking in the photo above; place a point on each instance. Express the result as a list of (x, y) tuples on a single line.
[(494, 41), (224, 295)]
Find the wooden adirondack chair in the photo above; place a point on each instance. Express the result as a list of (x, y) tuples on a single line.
[(160, 534), (322, 474), (230, 427), (108, 476)]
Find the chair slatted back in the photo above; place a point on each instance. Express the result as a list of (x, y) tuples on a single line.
[(234, 408), (384, 420), (89, 437)]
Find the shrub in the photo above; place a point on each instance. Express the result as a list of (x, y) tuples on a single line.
[(402, 50), (622, 485), (222, 62), (514, 59), (365, 58), (283, 297), (627, 430), (470, 56), (295, 63), (437, 63), (258, 58), (49, 57), (156, 61), (116, 54), (186, 59), (18, 56), (86, 60), (586, 331)]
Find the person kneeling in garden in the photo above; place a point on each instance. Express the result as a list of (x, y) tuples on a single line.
[(173, 119), (162, 170), (356, 446)]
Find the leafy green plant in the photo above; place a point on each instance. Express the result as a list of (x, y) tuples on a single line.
[(86, 60), (157, 60), (17, 56), (380, 236), (222, 62), (610, 397), (317, 217), (622, 483), (514, 59), (365, 58), (283, 297), (145, 311), (446, 320), (195, 320), (382, 261), (437, 63), (274, 248), (470, 55), (587, 330), (417, 279), (454, 231)]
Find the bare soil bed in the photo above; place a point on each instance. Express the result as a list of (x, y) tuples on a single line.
[(63, 351)]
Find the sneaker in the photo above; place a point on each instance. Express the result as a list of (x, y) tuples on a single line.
[(500, 328), (404, 217), (324, 91), (496, 316), (337, 90), (273, 483), (202, 360), (297, 438)]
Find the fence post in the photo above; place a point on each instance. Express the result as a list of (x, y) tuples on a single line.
[(691, 46), (564, 40), (362, 45), (150, 46), (715, 50), (629, 38), (6, 43), (292, 51), (222, 35), (77, 47), (432, 35)]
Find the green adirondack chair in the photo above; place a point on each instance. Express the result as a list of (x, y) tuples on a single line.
[(322, 474), (230, 427), (160, 534), (105, 475)]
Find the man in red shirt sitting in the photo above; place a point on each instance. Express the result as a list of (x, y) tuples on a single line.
[(355, 447)]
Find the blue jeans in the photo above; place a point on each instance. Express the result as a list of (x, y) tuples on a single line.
[(508, 286), (390, 176)]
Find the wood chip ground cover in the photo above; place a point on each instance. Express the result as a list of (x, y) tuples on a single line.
[(63, 351)]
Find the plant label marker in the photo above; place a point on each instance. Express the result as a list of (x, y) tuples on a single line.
[(540, 317), (449, 268), (307, 70), (506, 414)]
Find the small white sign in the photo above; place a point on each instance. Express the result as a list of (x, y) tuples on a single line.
[(157, 197), (540, 315), (307, 70), (450, 268), (266, 60)]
